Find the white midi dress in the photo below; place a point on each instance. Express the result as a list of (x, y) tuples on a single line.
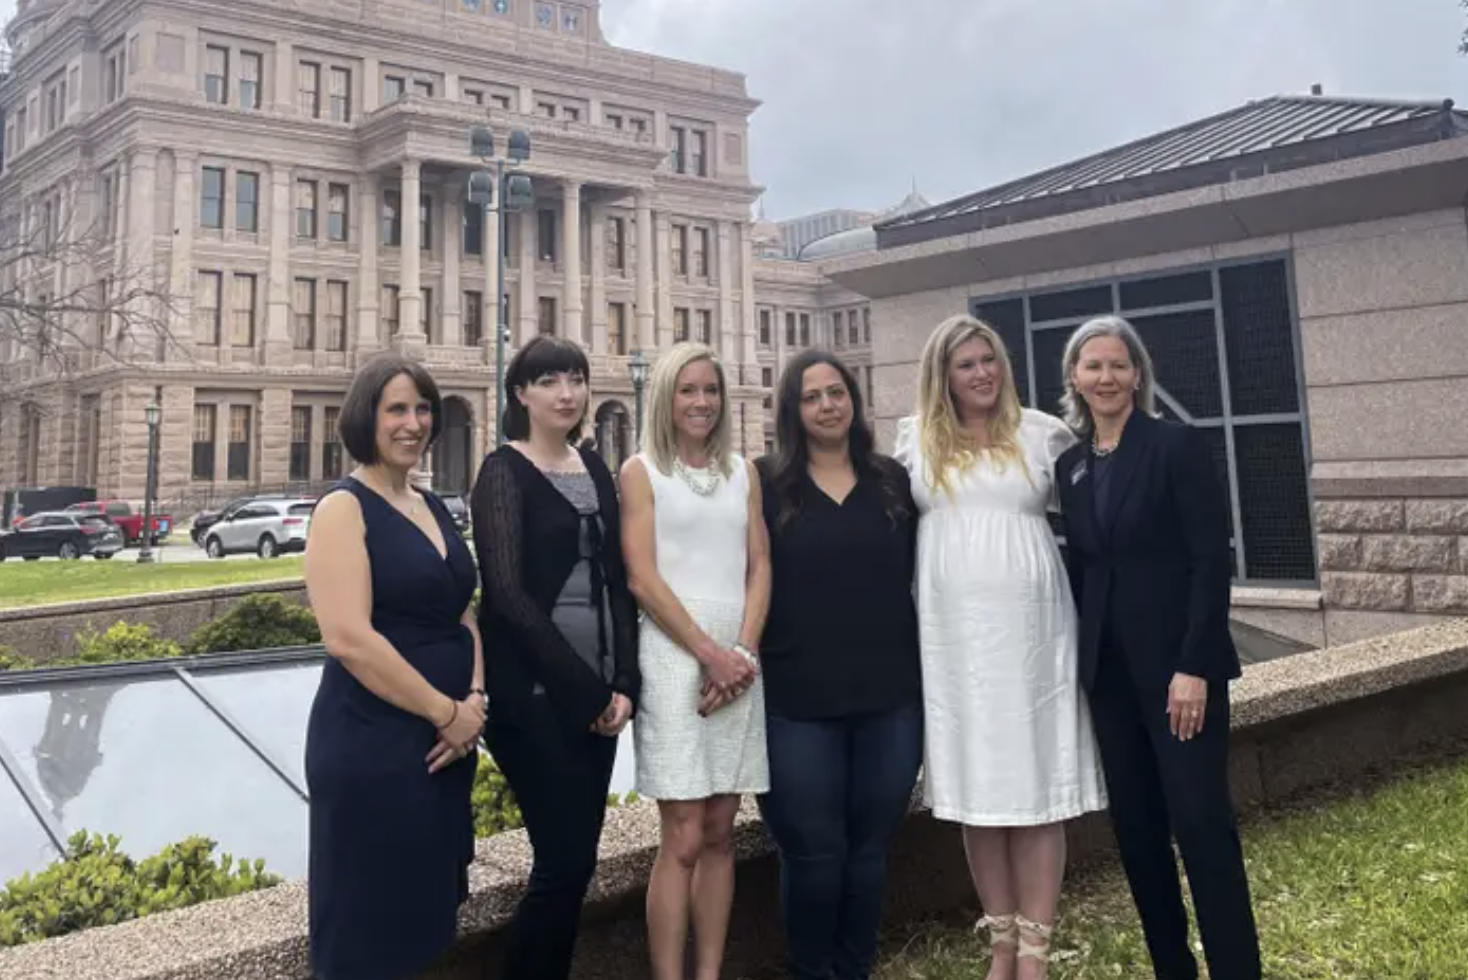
[(702, 555), (1008, 740)]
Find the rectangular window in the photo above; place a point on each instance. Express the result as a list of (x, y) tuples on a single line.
[(546, 109), (473, 228), (680, 325), (473, 308), (337, 198), (698, 153), (838, 328), (306, 209), (805, 329), (308, 89), (389, 314), (423, 88), (617, 245), (208, 286), (238, 467), (425, 222), (789, 329), (303, 305), (767, 377), (500, 102), (331, 447), (545, 236), (571, 113), (252, 65), (202, 464), (678, 150), (114, 76), (473, 96), (866, 325), (705, 327), (242, 311), (109, 204), (613, 120), (764, 328), (392, 218), (425, 315), (616, 328), (548, 316), (701, 252), (852, 335), (680, 250), (247, 201), (216, 74), (300, 465), (336, 315), (211, 197), (341, 95), (394, 87)]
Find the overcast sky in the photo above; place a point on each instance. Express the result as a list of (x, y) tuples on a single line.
[(861, 97)]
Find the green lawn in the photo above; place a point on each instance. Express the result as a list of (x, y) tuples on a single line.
[(1374, 887), (30, 583)]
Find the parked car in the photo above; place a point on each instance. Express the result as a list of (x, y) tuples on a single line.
[(64, 534), (458, 509), (267, 527), (128, 521), (205, 519)]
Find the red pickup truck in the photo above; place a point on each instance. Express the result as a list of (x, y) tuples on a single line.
[(128, 521)]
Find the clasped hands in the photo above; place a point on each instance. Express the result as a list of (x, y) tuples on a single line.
[(727, 673), (458, 736)]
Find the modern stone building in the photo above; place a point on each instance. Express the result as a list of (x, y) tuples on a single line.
[(1299, 269), (218, 200)]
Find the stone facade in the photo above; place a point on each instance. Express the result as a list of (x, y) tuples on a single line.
[(240, 204), (1395, 555)]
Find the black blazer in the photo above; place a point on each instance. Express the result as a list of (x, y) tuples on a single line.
[(527, 537), (1158, 576)]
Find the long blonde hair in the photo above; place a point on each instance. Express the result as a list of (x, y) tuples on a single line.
[(946, 447), (659, 434)]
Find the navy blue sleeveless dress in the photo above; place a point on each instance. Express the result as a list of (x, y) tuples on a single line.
[(391, 843)]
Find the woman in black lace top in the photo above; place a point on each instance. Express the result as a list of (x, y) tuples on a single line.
[(560, 640)]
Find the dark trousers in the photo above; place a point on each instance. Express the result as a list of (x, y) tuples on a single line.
[(1161, 788), (838, 791), (560, 780)]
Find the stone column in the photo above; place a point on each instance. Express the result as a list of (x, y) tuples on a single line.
[(367, 283), (727, 343), (185, 166), (571, 263), (410, 259), (598, 299), (492, 285), (529, 305), (665, 281), (748, 314), (278, 292), (371, 85), (453, 244), (646, 312), (285, 78), (139, 275)]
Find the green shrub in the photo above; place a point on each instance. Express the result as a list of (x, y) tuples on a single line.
[(258, 622), (98, 885), (495, 809), (10, 660), (122, 642)]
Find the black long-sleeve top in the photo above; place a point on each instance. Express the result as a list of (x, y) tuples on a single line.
[(527, 536), (841, 638)]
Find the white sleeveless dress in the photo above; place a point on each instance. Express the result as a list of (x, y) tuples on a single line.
[(1008, 737), (702, 549)]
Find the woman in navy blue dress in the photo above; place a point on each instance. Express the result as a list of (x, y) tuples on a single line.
[(390, 746)]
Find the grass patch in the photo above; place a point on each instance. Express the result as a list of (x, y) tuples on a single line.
[(1372, 887), (32, 583)]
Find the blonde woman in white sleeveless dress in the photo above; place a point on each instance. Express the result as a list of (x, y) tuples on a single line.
[(1010, 752), (698, 563)]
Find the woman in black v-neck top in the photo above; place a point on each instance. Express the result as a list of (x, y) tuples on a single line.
[(841, 668)]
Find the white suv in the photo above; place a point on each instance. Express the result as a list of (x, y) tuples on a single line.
[(267, 527)]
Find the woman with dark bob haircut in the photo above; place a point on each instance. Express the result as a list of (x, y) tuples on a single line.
[(561, 629), (842, 673), (391, 741)]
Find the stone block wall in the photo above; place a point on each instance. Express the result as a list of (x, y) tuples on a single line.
[(1399, 555)]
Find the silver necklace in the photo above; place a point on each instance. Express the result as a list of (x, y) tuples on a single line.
[(1100, 453), (686, 474)]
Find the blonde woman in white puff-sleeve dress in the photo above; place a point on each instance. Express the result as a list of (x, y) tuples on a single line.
[(699, 565), (1010, 752)]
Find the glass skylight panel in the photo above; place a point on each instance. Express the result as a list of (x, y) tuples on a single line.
[(272, 705), (147, 760), (24, 845)]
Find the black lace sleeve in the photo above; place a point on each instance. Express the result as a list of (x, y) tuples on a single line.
[(499, 530), (628, 676)]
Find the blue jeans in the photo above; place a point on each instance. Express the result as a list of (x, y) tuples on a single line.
[(839, 789)]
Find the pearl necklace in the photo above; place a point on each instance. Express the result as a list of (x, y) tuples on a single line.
[(686, 474)]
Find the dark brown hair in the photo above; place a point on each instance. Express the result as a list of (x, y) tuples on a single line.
[(357, 423)]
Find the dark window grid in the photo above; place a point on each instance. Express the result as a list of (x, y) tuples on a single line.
[(247, 202), (239, 461), (300, 461), (202, 462), (1274, 502), (1184, 349), (1259, 337)]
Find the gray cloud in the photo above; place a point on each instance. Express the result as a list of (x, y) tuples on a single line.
[(860, 96)]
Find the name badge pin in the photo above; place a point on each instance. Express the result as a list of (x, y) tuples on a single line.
[(1078, 474)]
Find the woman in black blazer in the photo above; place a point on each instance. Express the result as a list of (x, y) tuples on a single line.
[(1147, 540), (560, 640)]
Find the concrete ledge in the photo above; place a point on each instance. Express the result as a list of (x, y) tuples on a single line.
[(1313, 720), (48, 632), (1253, 597)]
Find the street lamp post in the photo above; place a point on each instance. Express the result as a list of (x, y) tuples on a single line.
[(154, 415), (500, 193), (637, 365)]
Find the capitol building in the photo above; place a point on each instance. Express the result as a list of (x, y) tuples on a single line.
[(227, 207)]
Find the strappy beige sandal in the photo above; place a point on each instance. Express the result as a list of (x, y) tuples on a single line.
[(1002, 930), (1034, 939)]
